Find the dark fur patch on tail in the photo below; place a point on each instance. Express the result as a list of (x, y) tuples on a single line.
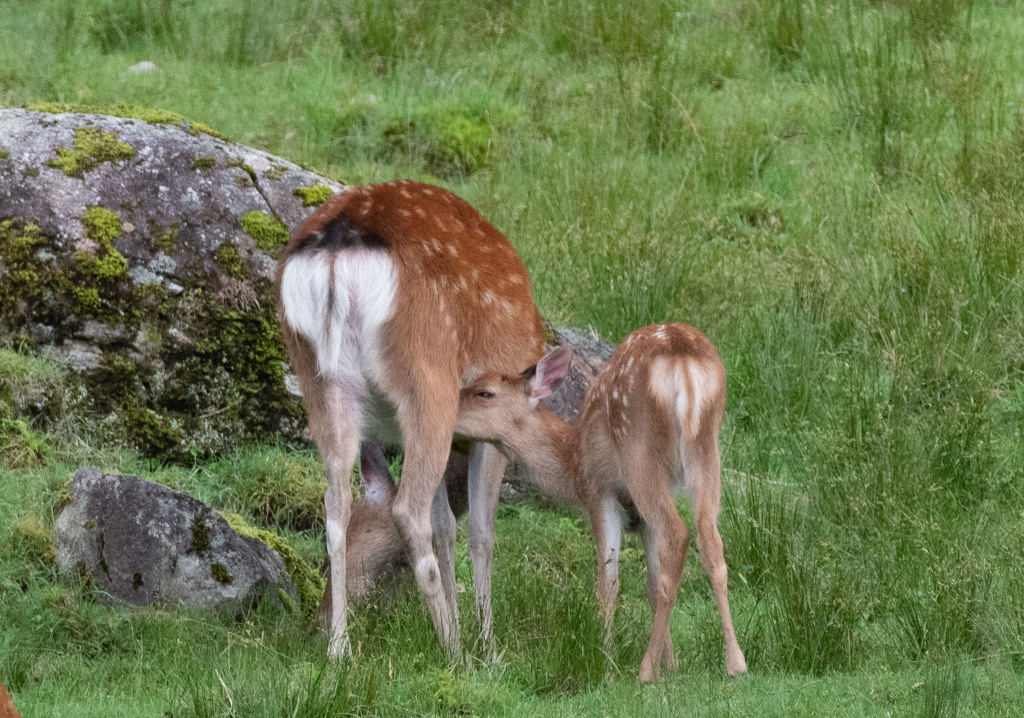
[(341, 233)]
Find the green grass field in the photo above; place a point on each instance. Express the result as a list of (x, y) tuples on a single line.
[(832, 191)]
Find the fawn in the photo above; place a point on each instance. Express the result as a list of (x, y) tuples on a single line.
[(391, 298), (648, 428)]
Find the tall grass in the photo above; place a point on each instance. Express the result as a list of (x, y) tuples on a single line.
[(830, 190)]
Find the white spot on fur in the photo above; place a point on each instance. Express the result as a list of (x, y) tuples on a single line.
[(427, 191), (404, 212), (346, 332), (419, 212), (451, 250)]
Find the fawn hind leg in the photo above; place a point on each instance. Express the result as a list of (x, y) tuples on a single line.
[(648, 483), (668, 656), (704, 469)]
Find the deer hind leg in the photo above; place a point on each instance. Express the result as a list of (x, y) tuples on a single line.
[(606, 521), (427, 428), (335, 418), (668, 656), (649, 487), (704, 468), (486, 469)]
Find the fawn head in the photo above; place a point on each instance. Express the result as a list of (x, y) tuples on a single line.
[(495, 407)]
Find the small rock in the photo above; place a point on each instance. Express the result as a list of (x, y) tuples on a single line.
[(143, 68), (144, 543)]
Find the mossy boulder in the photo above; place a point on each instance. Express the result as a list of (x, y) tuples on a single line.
[(142, 543), (141, 249)]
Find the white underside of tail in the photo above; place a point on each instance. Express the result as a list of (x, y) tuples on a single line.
[(685, 387), (340, 302)]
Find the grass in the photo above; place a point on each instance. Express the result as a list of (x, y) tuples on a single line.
[(830, 190)]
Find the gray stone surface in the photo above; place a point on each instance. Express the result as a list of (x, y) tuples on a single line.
[(179, 352), (156, 188), (144, 543), (589, 355)]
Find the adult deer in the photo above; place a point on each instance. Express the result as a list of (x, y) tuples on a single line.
[(649, 427), (392, 297)]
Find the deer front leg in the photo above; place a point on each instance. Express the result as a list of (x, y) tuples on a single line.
[(443, 524), (606, 519), (486, 469)]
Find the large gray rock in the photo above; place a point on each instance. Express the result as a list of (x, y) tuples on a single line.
[(144, 543), (143, 251)]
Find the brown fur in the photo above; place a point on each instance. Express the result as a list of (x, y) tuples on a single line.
[(7, 709), (633, 444), (463, 306)]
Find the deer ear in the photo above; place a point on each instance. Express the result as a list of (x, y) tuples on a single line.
[(373, 472), (549, 373)]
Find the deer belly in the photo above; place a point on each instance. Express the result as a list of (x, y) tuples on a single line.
[(380, 420)]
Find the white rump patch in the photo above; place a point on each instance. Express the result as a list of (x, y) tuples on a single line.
[(673, 380), (340, 302)]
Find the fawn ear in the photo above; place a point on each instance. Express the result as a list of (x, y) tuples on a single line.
[(549, 373), (373, 471)]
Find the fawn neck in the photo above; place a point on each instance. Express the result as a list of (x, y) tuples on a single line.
[(547, 446)]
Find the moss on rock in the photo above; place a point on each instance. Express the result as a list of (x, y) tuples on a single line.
[(146, 114), (102, 268), (275, 173), (167, 241), (314, 195), (204, 163), (228, 259), (269, 232), (306, 578), (200, 545), (4, 154), (219, 573), (240, 164), (156, 435), (91, 148), (19, 243)]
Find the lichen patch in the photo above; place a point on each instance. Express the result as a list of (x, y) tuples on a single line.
[(91, 147)]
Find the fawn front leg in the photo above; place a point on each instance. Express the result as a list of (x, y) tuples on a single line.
[(606, 520), (486, 469)]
